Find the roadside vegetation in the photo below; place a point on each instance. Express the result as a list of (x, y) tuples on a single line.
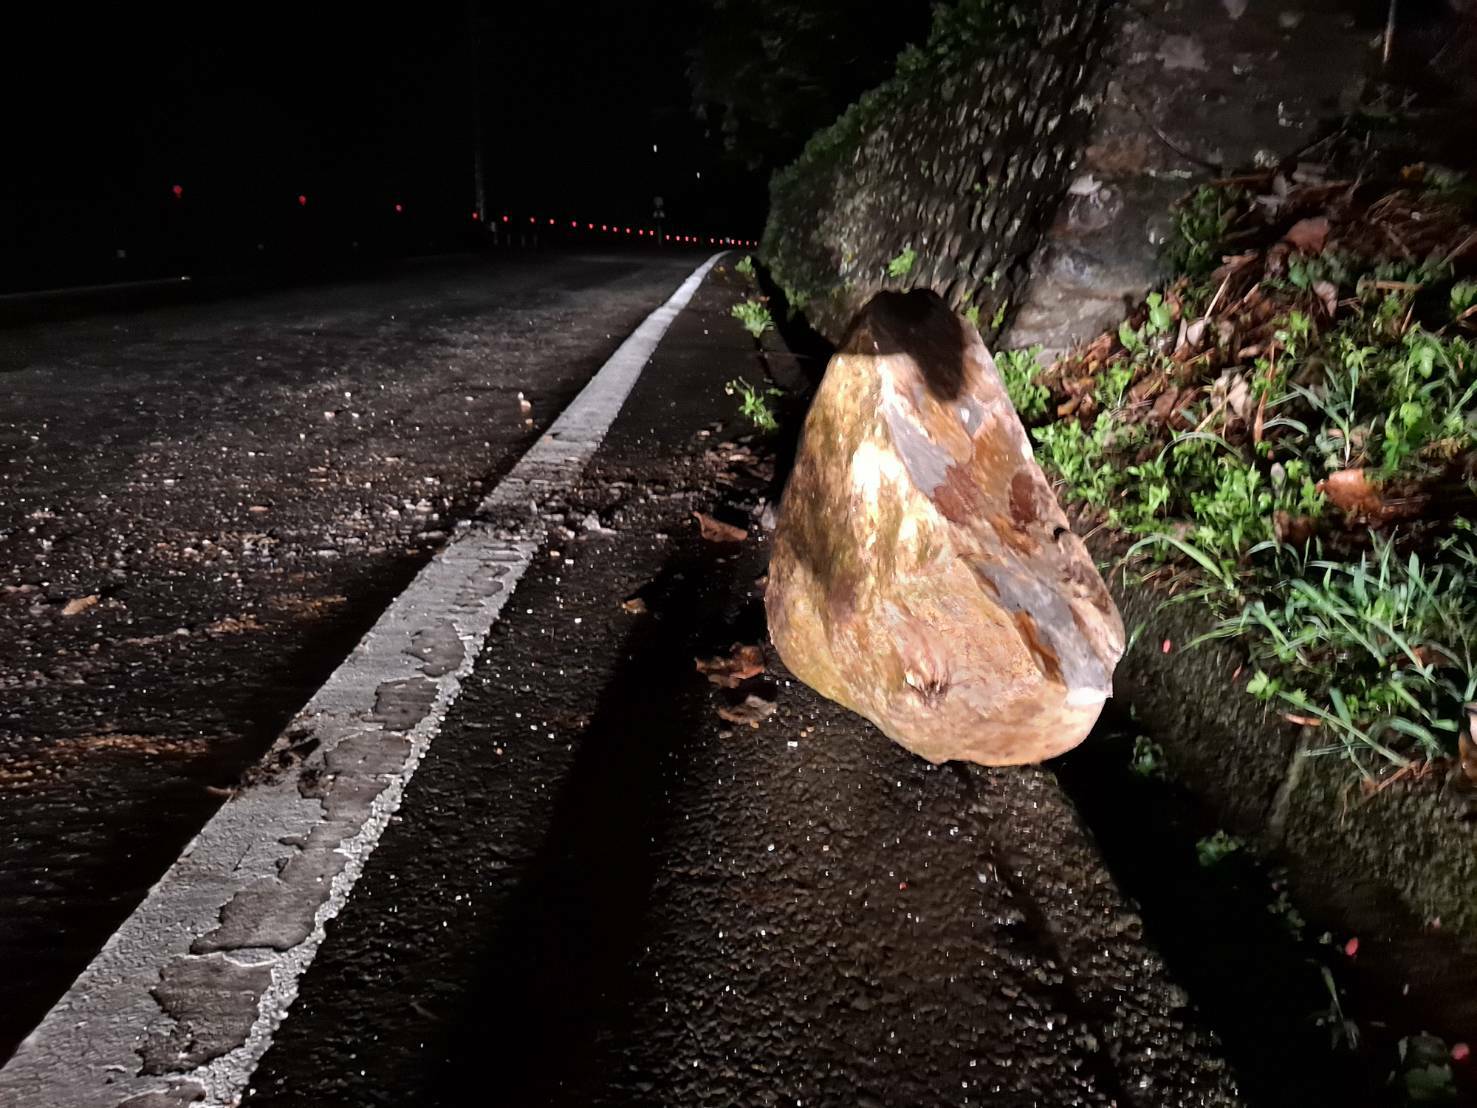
[(1287, 435), (754, 316), (756, 403)]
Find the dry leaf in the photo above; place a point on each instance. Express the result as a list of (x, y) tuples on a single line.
[(715, 530), (1293, 529), (1352, 491), (753, 711), (1238, 397), (79, 605), (1466, 748), (742, 663), (1328, 295), (635, 605), (1308, 235)]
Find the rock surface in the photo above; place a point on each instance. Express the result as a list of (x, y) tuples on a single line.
[(923, 574)]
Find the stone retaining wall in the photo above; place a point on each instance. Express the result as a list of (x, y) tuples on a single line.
[(961, 159)]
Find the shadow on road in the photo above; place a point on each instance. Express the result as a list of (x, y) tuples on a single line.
[(556, 974)]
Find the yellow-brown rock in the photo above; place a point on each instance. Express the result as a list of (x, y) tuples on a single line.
[(923, 574)]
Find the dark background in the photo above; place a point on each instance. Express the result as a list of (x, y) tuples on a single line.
[(357, 109)]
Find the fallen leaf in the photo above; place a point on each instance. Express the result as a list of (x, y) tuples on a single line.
[(1293, 529), (742, 663), (1467, 753), (79, 605), (1328, 295), (1352, 491), (635, 605), (753, 711), (1238, 397), (1308, 235), (715, 530), (1351, 947)]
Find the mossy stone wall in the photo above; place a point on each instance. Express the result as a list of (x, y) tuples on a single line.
[(962, 158)]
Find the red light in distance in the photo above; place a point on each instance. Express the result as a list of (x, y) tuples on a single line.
[(399, 207), (178, 190), (302, 201)]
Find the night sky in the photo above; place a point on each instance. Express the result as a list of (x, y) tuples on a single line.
[(247, 108)]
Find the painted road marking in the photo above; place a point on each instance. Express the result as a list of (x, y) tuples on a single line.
[(181, 1003)]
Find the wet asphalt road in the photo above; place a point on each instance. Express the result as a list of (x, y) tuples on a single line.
[(598, 891), (204, 507)]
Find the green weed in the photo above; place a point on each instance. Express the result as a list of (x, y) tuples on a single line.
[(1356, 624), (1200, 226), (754, 316), (1425, 1070), (1148, 757), (1018, 368), (756, 404), (902, 265), (1214, 849)]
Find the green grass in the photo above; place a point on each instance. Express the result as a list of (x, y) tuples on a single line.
[(1360, 621), (756, 404), (754, 316), (1019, 369)]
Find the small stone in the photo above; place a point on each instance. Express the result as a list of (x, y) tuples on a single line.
[(923, 574), (77, 606)]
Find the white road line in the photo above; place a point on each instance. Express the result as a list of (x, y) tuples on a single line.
[(181, 1003)]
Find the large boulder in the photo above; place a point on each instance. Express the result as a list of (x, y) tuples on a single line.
[(923, 574)]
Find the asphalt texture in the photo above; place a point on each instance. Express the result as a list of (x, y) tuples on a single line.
[(600, 890), (205, 507)]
